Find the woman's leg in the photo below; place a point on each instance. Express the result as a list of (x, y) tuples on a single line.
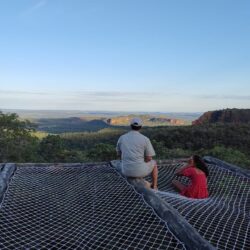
[(178, 185)]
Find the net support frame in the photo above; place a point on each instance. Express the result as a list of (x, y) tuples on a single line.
[(226, 165), (6, 171)]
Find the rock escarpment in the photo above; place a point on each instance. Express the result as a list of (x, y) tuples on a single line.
[(224, 116)]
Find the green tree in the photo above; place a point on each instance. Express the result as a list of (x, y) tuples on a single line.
[(16, 142), (231, 155), (52, 148), (102, 152)]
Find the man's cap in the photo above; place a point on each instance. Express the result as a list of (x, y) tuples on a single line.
[(137, 122)]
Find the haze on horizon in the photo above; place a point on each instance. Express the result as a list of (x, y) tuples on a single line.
[(131, 55)]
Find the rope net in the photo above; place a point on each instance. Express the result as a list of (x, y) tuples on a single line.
[(78, 207), (223, 218)]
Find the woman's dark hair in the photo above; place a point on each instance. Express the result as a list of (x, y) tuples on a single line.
[(199, 163)]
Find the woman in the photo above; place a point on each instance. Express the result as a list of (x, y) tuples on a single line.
[(197, 171)]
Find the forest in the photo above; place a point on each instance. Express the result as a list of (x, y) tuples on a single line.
[(20, 142)]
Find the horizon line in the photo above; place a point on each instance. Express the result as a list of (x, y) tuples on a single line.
[(110, 111)]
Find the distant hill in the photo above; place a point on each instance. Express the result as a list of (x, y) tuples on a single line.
[(148, 120), (92, 124), (224, 116), (63, 121), (73, 124), (56, 114)]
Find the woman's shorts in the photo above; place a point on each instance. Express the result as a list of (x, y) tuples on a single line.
[(141, 169)]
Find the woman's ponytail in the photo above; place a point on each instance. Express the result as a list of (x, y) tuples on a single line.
[(199, 163)]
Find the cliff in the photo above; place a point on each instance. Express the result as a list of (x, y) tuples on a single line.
[(224, 116)]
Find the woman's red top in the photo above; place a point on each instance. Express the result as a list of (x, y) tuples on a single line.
[(198, 187)]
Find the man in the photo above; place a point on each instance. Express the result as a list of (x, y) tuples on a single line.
[(136, 152)]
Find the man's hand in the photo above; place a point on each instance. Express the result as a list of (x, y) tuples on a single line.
[(148, 158)]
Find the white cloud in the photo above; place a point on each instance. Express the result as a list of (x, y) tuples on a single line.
[(34, 8), (225, 97), (84, 100), (119, 101), (20, 92)]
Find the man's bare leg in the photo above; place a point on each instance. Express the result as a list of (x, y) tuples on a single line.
[(154, 175), (147, 184)]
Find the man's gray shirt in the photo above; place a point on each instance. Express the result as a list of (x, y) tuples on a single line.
[(134, 147)]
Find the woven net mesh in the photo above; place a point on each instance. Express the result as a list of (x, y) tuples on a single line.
[(223, 218), (79, 207)]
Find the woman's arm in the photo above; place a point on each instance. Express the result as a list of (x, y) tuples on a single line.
[(179, 170)]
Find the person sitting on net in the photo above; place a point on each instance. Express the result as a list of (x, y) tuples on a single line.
[(197, 171), (136, 152)]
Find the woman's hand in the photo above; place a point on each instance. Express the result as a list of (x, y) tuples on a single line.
[(179, 170)]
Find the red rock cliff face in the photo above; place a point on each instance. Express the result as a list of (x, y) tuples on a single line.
[(119, 120), (147, 121), (224, 116)]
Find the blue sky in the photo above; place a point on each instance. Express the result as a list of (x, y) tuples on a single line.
[(125, 55)]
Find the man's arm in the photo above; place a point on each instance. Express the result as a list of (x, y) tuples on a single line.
[(149, 151), (148, 158), (119, 155), (118, 149)]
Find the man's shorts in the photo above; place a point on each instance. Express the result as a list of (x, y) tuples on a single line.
[(141, 169)]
